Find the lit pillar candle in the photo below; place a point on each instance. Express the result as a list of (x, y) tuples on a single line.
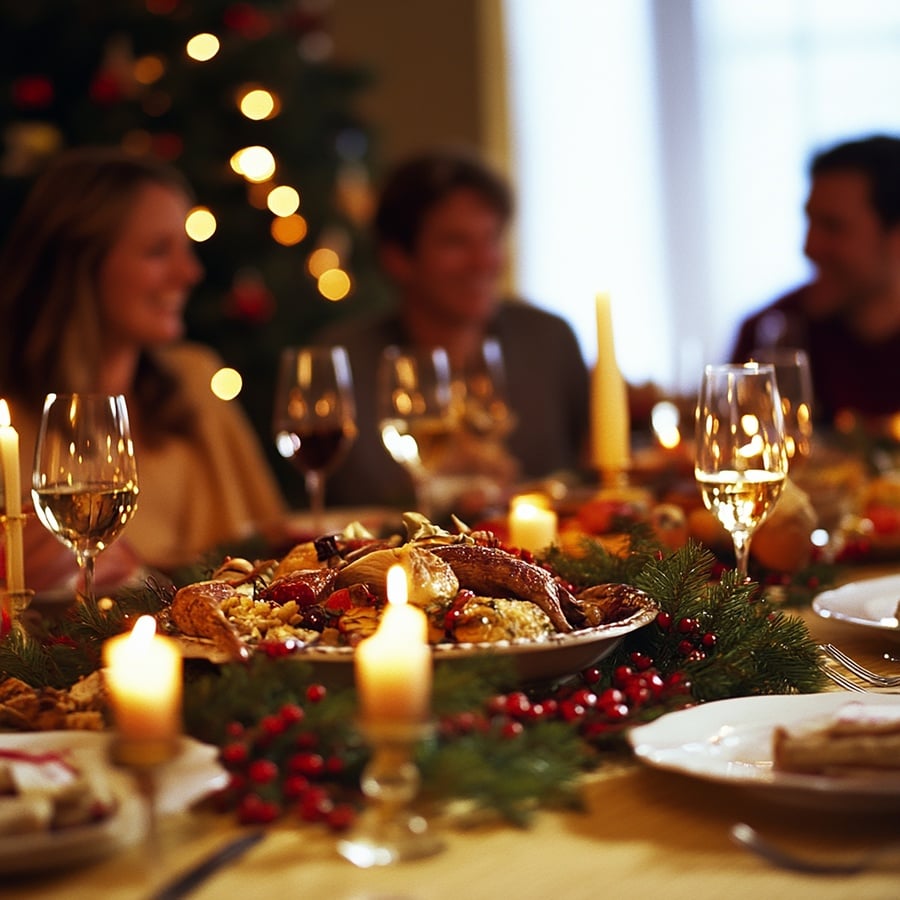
[(532, 525), (610, 425), (393, 666), (143, 677), (12, 493)]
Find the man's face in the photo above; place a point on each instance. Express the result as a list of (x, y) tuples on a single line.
[(854, 255), (455, 267)]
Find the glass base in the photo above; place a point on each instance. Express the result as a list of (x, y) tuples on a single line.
[(375, 842), (389, 831)]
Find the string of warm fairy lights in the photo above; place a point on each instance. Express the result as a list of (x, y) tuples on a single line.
[(257, 165)]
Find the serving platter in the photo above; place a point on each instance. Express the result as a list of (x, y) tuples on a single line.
[(554, 656), (730, 742)]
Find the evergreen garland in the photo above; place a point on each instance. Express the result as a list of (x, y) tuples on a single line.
[(282, 721)]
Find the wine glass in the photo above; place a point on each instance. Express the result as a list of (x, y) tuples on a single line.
[(416, 415), (84, 482), (314, 421), (792, 373), (741, 461), (481, 385)]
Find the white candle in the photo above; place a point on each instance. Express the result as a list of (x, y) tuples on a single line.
[(143, 677), (531, 527), (610, 425), (12, 493), (393, 666)]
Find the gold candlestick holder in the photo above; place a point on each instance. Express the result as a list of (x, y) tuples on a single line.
[(143, 760), (389, 831), (12, 605)]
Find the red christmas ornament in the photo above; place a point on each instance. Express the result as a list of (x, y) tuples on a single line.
[(251, 301), (105, 89), (32, 92), (247, 21)]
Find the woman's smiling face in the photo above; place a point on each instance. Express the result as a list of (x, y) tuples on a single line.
[(147, 276)]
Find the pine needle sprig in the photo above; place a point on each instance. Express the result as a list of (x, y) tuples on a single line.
[(539, 768)]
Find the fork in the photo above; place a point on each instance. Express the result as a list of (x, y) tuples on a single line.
[(749, 838), (857, 669), (842, 680)]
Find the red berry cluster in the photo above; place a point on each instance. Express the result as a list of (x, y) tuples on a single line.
[(596, 710), (693, 643), (281, 766)]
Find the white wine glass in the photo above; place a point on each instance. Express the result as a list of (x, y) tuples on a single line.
[(741, 461), (85, 482), (416, 416), (792, 372), (481, 385), (314, 420)]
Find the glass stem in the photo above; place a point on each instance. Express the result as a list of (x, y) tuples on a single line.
[(86, 562), (741, 552), (315, 488)]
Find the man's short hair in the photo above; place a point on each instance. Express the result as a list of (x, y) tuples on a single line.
[(878, 159), (414, 187)]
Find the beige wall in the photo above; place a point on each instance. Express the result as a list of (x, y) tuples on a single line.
[(426, 57)]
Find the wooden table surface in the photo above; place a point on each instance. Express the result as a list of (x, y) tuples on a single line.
[(644, 834)]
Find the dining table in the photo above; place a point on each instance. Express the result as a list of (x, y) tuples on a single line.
[(641, 831)]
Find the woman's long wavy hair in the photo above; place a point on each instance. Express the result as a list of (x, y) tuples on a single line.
[(51, 338)]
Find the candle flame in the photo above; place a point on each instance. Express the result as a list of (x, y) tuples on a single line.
[(396, 585), (5, 420), (144, 630)]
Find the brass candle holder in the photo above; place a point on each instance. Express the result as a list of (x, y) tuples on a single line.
[(389, 830), (13, 604), (143, 760)]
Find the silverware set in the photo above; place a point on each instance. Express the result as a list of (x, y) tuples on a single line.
[(874, 682), (750, 839)]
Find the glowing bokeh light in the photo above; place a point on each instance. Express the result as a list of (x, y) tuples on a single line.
[(148, 69), (200, 224), (322, 259), (226, 384), (254, 163), (289, 230), (258, 104), (334, 284), (202, 47), (283, 200)]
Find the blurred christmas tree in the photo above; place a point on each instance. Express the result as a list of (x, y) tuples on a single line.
[(245, 99)]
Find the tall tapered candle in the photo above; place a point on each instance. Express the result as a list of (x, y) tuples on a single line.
[(610, 425), (12, 493), (393, 666)]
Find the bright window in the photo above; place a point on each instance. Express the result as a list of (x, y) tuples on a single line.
[(661, 151)]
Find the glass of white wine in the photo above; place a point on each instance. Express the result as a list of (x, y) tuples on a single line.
[(741, 460), (416, 416), (85, 482), (314, 421), (792, 372)]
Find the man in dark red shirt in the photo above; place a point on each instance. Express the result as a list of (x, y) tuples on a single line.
[(848, 318)]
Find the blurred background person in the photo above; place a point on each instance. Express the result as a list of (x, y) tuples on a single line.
[(440, 227), (847, 317), (94, 278)]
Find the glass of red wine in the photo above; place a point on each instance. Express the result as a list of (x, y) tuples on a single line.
[(314, 421)]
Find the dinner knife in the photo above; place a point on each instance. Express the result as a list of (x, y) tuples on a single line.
[(190, 880)]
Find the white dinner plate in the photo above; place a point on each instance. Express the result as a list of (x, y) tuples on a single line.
[(730, 741), (193, 774), (871, 603)]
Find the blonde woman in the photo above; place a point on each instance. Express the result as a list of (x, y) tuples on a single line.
[(94, 279)]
